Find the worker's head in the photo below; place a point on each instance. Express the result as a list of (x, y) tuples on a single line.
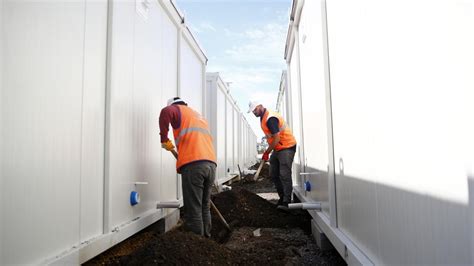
[(176, 100), (256, 108)]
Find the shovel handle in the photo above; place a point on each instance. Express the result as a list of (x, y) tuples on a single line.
[(174, 153), (220, 216), (258, 170)]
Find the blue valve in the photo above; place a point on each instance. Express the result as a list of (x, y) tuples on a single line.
[(307, 186), (134, 198)]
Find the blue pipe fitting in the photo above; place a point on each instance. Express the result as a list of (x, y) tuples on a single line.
[(134, 198), (307, 186)]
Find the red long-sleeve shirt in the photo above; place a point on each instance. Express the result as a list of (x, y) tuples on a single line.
[(169, 115)]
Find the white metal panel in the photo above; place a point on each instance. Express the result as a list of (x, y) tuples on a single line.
[(191, 77), (136, 97), (42, 134), (93, 99), (402, 126), (244, 143), (295, 116), (241, 142), (2, 200), (228, 127), (120, 161), (229, 167), (247, 143), (236, 140), (170, 188), (253, 145), (313, 100), (283, 111), (221, 134)]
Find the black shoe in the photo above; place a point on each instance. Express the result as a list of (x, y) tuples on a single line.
[(283, 206)]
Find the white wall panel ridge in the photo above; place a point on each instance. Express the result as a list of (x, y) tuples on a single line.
[(2, 200), (281, 92)]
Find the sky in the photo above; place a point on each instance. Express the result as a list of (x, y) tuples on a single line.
[(245, 42)]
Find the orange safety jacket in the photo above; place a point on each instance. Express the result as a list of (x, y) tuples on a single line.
[(193, 138), (287, 140)]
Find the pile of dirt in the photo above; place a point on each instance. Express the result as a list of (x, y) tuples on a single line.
[(263, 184), (179, 248), (241, 207)]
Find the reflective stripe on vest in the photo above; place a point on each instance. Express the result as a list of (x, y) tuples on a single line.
[(193, 138), (189, 130)]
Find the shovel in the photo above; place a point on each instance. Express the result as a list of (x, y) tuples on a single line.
[(258, 170)]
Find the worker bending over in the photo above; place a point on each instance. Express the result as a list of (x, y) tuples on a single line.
[(283, 144), (196, 161)]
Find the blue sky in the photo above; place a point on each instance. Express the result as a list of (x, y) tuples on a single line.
[(244, 41)]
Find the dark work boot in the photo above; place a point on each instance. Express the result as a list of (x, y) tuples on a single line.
[(283, 206)]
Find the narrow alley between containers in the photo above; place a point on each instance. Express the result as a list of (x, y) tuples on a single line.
[(117, 118)]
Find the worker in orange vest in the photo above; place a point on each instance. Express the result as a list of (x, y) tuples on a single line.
[(283, 144), (196, 161)]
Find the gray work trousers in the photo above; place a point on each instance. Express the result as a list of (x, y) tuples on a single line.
[(197, 181), (280, 172)]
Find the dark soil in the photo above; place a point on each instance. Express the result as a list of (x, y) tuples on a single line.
[(241, 207), (260, 234), (263, 184)]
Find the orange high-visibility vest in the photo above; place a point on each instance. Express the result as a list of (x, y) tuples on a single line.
[(193, 138), (287, 140)]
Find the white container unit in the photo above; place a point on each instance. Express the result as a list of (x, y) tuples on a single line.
[(82, 86), (282, 100), (385, 115), (247, 144), (231, 133)]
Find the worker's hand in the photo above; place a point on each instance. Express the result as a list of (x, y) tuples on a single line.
[(167, 145), (265, 156)]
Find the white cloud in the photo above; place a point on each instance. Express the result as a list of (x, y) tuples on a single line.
[(202, 27), (253, 64), (207, 26), (264, 44)]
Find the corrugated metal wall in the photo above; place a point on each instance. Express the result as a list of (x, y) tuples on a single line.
[(401, 124)]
